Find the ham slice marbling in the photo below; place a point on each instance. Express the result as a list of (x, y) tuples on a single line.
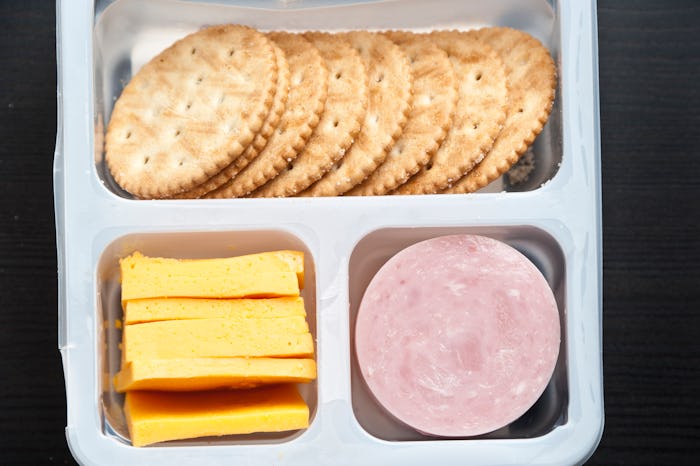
[(457, 335)]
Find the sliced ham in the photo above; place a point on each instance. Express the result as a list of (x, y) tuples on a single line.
[(457, 335)]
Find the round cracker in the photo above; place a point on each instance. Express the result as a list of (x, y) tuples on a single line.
[(434, 100), (305, 103), (273, 118), (390, 83), (191, 111), (478, 118), (532, 82), (340, 122)]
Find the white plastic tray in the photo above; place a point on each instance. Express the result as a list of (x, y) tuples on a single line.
[(554, 219)]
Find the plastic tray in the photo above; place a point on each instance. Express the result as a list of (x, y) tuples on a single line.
[(554, 219)]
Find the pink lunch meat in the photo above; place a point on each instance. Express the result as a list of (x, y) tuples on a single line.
[(457, 335)]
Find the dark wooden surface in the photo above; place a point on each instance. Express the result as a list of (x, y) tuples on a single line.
[(650, 120)]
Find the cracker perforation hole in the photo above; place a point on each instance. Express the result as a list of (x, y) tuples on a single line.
[(520, 110), (428, 166), (180, 163), (336, 123), (200, 79), (188, 106), (177, 132), (231, 52), (478, 76), (476, 125), (193, 51), (380, 78), (338, 75), (146, 160), (128, 135)]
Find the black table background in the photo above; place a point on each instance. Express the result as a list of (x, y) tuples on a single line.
[(650, 119)]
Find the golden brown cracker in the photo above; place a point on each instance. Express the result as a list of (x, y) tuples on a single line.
[(390, 85), (273, 118), (341, 120), (191, 110), (478, 117), (434, 100), (532, 82), (305, 103)]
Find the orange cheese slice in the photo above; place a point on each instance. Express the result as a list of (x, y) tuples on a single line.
[(218, 338), (212, 373), (264, 275), (154, 309), (154, 417), (295, 259)]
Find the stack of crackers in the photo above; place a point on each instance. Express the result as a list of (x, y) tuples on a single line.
[(229, 111)]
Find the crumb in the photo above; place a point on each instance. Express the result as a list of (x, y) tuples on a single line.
[(520, 172)]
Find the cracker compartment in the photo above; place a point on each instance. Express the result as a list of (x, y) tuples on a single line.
[(548, 208), (128, 34)]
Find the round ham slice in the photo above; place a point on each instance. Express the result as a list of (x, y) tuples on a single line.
[(458, 335)]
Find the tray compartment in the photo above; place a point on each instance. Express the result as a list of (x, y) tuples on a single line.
[(370, 254), (128, 33), (186, 245)]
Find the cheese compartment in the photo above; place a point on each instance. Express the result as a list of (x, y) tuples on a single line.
[(186, 245), (128, 33), (376, 248)]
